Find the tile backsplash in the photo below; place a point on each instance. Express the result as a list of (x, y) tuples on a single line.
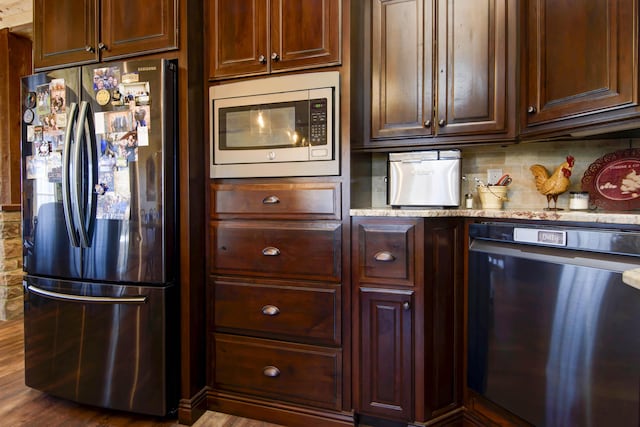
[(516, 160)]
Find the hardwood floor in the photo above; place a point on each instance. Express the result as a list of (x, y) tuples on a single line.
[(23, 406)]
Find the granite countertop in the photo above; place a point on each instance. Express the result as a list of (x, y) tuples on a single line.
[(527, 214)]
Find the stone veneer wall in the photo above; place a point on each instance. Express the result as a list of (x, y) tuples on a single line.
[(11, 293), (516, 160)]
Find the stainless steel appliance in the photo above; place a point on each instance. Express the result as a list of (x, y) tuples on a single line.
[(99, 235), (276, 126), (424, 178), (552, 328)]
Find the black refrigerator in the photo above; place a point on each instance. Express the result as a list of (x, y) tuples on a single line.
[(99, 218)]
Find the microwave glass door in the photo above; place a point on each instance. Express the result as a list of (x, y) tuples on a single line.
[(278, 125)]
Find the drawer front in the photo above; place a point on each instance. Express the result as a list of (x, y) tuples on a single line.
[(277, 370), (302, 314), (277, 201), (385, 250), (285, 249)]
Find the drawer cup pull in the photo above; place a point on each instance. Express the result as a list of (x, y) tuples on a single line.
[(270, 310), (271, 371), (270, 251), (384, 256), (271, 200)]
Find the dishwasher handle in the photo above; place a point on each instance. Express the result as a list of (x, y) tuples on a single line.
[(611, 262)]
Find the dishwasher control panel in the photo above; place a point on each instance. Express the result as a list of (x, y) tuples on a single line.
[(540, 236)]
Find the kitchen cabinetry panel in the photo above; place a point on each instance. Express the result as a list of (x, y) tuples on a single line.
[(302, 250), (472, 66), (277, 370), (70, 32), (277, 201), (264, 36), (401, 68), (408, 335), (304, 33), (387, 252), (64, 32), (439, 69), (238, 37), (126, 28), (386, 357), (284, 310), (579, 60)]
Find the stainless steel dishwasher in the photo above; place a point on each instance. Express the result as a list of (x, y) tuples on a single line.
[(553, 331)]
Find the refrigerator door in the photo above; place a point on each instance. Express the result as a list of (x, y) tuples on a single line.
[(104, 345), (134, 118), (47, 101)]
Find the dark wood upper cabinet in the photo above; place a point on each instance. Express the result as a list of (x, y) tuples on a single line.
[(580, 64), (138, 27), (440, 68), (78, 32), (262, 36), (65, 32)]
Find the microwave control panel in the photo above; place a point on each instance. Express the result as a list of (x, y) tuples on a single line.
[(318, 122)]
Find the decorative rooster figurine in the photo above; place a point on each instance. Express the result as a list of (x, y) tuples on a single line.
[(554, 185)]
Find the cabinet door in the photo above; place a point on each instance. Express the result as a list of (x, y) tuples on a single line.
[(130, 28), (64, 32), (304, 33), (238, 35), (472, 66), (401, 68), (581, 58), (385, 353)]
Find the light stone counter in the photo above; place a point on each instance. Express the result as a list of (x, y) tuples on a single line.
[(632, 278), (525, 214)]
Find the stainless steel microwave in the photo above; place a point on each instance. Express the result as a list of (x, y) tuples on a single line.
[(276, 126)]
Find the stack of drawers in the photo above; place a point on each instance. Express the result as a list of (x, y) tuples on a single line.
[(274, 295)]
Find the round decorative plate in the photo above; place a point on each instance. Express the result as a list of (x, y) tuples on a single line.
[(613, 181)]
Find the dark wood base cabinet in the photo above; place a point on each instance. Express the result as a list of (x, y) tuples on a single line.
[(275, 303), (407, 280)]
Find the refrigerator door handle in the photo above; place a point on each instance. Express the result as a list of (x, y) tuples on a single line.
[(67, 203), (91, 146), (142, 299), (85, 208)]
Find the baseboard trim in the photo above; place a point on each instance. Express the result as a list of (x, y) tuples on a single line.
[(190, 410), (276, 412)]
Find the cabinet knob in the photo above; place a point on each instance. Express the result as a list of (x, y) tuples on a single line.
[(262, 59), (384, 256), (270, 200), (89, 49), (532, 110), (271, 371), (442, 123), (102, 46), (275, 57), (270, 310), (427, 124), (406, 305), (270, 251)]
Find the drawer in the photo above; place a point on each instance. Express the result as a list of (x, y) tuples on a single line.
[(278, 370), (303, 314), (277, 201), (385, 250), (279, 249)]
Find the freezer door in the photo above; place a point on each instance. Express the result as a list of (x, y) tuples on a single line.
[(46, 105), (134, 117), (102, 345)]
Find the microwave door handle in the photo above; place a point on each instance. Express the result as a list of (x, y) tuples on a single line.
[(77, 175), (67, 204)]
